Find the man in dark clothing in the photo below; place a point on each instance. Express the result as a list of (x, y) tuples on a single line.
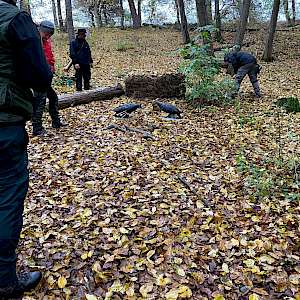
[(244, 63), (46, 30), (22, 66), (80, 54)]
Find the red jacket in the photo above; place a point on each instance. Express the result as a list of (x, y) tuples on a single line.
[(49, 53)]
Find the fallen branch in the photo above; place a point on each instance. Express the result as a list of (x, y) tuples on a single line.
[(186, 184), (146, 134)]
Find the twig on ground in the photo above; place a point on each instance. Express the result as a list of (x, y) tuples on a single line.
[(146, 134)]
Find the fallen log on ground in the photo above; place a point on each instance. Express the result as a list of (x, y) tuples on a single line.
[(151, 86), (69, 100)]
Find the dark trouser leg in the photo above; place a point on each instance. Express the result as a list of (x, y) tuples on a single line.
[(13, 189), (86, 73), (53, 106), (78, 76), (240, 75), (253, 78), (39, 104)]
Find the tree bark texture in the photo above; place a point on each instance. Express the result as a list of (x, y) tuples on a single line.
[(60, 18), (122, 14), (202, 15), (136, 19), (293, 12), (183, 22), (54, 13), (239, 38), (209, 11), (286, 12), (267, 55), (218, 21), (69, 20), (69, 100)]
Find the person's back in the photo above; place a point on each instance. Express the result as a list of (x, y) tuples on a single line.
[(22, 66)]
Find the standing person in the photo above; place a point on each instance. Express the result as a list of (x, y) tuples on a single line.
[(22, 66), (80, 54), (243, 64), (46, 30)]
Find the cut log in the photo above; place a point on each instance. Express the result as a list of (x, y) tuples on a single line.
[(68, 100), (164, 86)]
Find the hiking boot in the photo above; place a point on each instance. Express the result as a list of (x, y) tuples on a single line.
[(26, 282), (58, 125), (39, 132)]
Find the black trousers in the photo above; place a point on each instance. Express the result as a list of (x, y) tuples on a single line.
[(39, 104), (14, 181), (83, 73)]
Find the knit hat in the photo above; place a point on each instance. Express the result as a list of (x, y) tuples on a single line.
[(47, 26)]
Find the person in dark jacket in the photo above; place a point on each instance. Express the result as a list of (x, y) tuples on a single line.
[(80, 54), (46, 30), (243, 64), (22, 66)]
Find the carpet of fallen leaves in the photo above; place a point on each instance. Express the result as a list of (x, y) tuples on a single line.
[(206, 209)]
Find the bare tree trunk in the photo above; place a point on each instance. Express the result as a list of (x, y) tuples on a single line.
[(293, 12), (91, 13), (136, 20), (177, 12), (97, 14), (60, 19), (242, 23), (202, 15), (267, 56), (140, 11), (54, 13), (69, 20), (287, 13), (105, 15), (122, 14), (183, 22), (209, 11), (218, 21)]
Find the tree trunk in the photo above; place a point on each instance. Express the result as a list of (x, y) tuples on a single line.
[(293, 12), (91, 13), (209, 11), (183, 22), (177, 12), (140, 11), (69, 20), (242, 23), (267, 56), (218, 21), (202, 15), (122, 14), (69, 100), (136, 20), (60, 19), (97, 14), (54, 13), (287, 13)]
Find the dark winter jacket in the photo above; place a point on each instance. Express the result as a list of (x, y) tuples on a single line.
[(22, 63), (80, 52), (239, 59)]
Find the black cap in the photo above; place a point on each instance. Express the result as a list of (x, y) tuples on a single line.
[(81, 30)]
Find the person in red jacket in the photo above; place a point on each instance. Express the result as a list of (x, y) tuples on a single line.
[(46, 29)]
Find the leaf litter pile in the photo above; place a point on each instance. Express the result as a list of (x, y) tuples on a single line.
[(207, 208)]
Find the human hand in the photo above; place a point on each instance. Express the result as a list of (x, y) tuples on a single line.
[(77, 66)]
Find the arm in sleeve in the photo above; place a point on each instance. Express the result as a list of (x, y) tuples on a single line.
[(90, 54), (73, 52), (31, 66)]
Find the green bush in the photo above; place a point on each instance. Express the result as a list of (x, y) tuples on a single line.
[(291, 104), (201, 69), (124, 46)]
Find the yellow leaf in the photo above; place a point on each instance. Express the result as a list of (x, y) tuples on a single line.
[(249, 263), (180, 272), (150, 254), (225, 268), (84, 256), (297, 296), (162, 281), (90, 297), (295, 279), (184, 291), (145, 289), (172, 294), (253, 297), (62, 281), (219, 297), (199, 204)]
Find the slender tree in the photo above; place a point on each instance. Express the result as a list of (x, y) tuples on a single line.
[(242, 23), (286, 12), (183, 22), (122, 14), (60, 18), (218, 21), (267, 55), (54, 13), (177, 12), (202, 15), (69, 20), (209, 11), (293, 12), (136, 17)]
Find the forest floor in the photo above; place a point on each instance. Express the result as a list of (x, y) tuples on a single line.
[(208, 209)]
